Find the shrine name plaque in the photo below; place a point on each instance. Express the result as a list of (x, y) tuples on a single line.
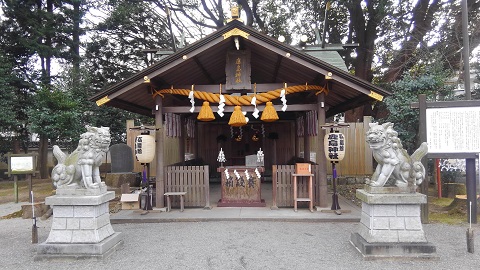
[(241, 187)]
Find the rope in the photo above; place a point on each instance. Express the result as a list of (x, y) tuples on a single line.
[(244, 99)]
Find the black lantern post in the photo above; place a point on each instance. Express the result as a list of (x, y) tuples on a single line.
[(334, 144)]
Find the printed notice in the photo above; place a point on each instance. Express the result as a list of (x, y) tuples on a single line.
[(453, 130), (21, 164)]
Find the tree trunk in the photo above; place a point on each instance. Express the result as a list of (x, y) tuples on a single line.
[(77, 15), (43, 157), (366, 34), (423, 16)]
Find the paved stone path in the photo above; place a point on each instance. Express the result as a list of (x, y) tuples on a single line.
[(236, 245)]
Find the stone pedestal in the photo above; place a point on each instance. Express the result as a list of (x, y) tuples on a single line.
[(81, 226), (391, 227)]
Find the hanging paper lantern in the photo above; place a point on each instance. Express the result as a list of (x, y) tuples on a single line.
[(206, 113), (334, 144), (144, 148), (237, 119), (269, 114)]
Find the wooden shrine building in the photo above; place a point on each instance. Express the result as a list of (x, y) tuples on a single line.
[(240, 63)]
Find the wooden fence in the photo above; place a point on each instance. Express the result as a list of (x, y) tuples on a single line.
[(283, 185), (192, 179)]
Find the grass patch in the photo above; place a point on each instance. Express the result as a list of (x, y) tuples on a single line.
[(453, 217), (441, 202), (41, 188), (13, 215)]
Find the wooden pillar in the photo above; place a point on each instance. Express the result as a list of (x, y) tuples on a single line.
[(321, 192), (196, 135), (422, 134), (181, 145), (297, 141), (306, 139), (160, 182)]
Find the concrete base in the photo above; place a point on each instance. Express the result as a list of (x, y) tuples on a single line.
[(72, 252), (81, 226), (391, 227), (376, 251)]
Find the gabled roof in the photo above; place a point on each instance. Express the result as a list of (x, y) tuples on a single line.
[(272, 63)]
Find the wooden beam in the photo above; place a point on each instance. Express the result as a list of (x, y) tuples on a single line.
[(204, 71), (448, 104), (277, 68), (166, 66), (160, 162), (228, 109), (311, 66), (348, 105), (214, 88), (129, 106)]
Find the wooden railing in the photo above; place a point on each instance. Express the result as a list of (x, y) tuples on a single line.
[(191, 179), (283, 185)]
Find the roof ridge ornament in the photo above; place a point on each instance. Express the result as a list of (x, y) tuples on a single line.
[(235, 11), (235, 32)]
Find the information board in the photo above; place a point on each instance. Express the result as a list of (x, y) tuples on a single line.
[(453, 130), (21, 163)]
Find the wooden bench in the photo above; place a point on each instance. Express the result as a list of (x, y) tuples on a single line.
[(169, 205)]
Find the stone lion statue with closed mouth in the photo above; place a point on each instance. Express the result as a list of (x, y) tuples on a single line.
[(395, 166), (80, 169)]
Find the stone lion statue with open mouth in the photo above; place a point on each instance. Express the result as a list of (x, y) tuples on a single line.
[(395, 166), (80, 169)]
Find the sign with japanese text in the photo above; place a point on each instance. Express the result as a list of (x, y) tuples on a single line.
[(334, 144), (453, 130), (21, 164), (238, 70)]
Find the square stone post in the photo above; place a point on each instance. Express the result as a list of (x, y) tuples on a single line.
[(390, 224), (81, 226)]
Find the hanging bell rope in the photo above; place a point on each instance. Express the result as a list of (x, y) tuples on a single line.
[(206, 113), (244, 99), (269, 114), (237, 119)]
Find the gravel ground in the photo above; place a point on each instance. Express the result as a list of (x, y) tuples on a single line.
[(236, 245)]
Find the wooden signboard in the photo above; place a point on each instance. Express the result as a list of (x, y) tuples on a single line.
[(303, 168), (241, 189), (21, 164), (238, 70)]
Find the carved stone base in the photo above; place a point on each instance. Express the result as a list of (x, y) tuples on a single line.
[(72, 252), (390, 225), (375, 251), (80, 227), (77, 191), (389, 190)]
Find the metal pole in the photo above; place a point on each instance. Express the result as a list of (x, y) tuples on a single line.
[(439, 177), (174, 47), (471, 183), (335, 204), (324, 32), (466, 51), (15, 188)]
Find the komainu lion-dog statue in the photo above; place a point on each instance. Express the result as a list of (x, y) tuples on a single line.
[(395, 166), (80, 169)]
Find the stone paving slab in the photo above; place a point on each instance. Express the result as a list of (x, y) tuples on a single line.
[(238, 214)]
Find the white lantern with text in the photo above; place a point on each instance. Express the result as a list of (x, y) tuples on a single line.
[(334, 144), (145, 148)]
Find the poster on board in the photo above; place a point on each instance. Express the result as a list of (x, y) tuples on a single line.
[(453, 130), (21, 164)]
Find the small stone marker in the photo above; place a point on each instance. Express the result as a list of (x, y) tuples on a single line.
[(122, 158)]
